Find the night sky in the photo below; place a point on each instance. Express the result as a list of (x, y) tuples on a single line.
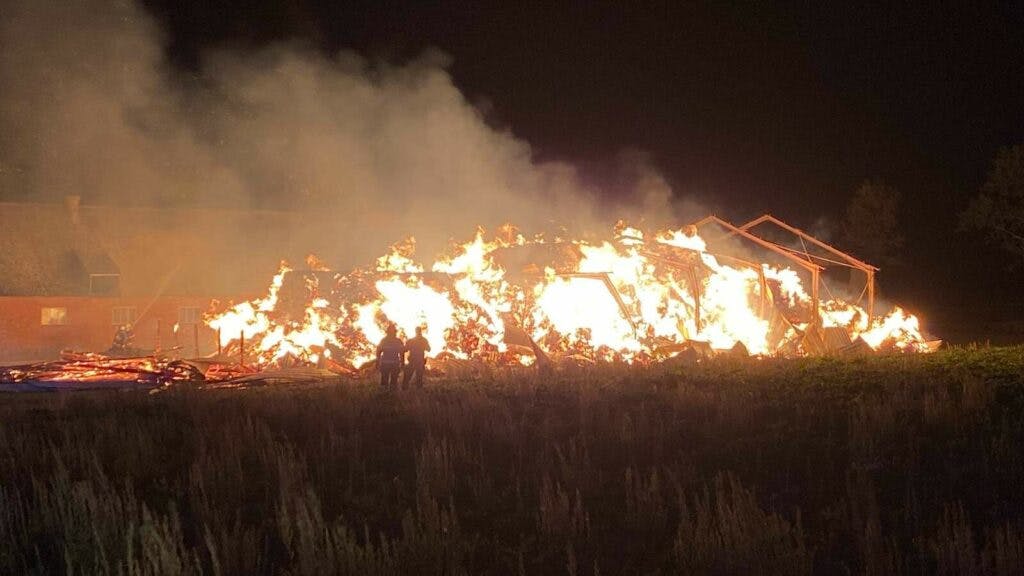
[(745, 106)]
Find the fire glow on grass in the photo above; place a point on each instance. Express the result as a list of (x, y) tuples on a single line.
[(629, 300)]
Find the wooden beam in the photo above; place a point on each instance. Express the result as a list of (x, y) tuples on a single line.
[(695, 287), (815, 300), (763, 285), (871, 294)]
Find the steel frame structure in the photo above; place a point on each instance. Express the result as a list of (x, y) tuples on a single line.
[(847, 260)]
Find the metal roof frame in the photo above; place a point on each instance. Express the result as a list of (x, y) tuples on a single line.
[(847, 260)]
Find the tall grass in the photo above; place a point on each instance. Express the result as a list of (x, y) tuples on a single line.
[(890, 465)]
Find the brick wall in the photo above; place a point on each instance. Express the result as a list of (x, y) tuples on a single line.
[(89, 326)]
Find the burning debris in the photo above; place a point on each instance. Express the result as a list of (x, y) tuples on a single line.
[(510, 300), (78, 370)]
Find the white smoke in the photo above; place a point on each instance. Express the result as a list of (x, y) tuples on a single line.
[(90, 108)]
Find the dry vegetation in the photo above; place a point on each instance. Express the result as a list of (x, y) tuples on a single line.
[(876, 466)]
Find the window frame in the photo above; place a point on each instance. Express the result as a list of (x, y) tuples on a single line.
[(45, 319), (132, 316)]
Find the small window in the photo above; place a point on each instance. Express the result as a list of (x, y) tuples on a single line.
[(188, 315), (123, 316), (104, 284), (54, 317)]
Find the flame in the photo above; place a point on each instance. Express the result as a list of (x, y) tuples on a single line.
[(275, 337), (585, 314), (409, 305), (621, 300), (399, 260), (898, 327)]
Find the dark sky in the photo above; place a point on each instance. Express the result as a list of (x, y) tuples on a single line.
[(783, 109)]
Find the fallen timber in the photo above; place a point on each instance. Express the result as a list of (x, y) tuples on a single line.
[(82, 371), (91, 371)]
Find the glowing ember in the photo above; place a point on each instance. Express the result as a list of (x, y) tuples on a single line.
[(618, 301)]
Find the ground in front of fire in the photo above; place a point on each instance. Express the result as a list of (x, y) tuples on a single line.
[(875, 464)]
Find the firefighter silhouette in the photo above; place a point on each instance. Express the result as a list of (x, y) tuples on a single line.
[(122, 339), (417, 348), (390, 354)]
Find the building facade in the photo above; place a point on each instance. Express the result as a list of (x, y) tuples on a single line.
[(70, 274), (34, 328)]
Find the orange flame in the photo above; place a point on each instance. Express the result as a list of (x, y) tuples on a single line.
[(607, 301)]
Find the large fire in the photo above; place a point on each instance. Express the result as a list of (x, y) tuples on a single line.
[(634, 298)]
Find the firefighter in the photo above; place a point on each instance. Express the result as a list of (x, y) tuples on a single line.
[(417, 348), (122, 339), (390, 352)]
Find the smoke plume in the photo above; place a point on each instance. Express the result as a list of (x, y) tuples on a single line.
[(367, 152)]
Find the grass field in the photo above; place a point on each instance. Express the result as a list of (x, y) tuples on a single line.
[(889, 465)]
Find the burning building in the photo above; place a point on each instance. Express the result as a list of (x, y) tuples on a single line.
[(636, 296)]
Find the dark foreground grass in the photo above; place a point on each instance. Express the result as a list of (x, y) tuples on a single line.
[(878, 466)]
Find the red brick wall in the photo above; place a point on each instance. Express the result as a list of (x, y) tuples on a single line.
[(90, 326)]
